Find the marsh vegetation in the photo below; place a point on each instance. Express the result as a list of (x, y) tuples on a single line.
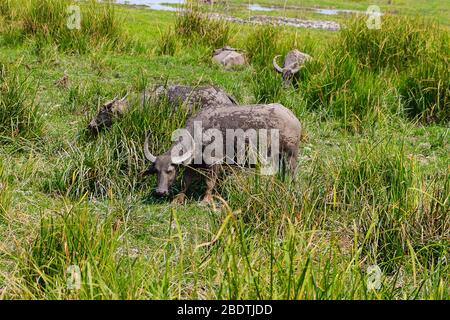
[(373, 183)]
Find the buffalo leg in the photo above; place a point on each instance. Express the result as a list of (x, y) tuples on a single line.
[(293, 164), (289, 160), (186, 183), (211, 178)]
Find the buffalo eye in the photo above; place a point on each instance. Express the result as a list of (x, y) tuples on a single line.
[(150, 170), (170, 169)]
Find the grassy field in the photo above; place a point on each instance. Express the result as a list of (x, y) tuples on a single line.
[(436, 9), (372, 190)]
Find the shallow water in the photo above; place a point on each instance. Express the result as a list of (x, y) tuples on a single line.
[(257, 7), (153, 4), (334, 11), (159, 5)]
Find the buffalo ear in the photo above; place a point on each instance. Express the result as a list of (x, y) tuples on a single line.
[(108, 105), (151, 170)]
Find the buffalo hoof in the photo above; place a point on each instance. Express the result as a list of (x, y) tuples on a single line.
[(179, 199), (207, 200)]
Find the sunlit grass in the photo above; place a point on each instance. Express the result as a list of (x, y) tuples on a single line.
[(372, 189)]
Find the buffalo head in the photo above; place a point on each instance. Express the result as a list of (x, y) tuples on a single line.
[(164, 166), (104, 117), (293, 62)]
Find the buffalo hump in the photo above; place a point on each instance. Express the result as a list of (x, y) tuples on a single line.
[(189, 97)]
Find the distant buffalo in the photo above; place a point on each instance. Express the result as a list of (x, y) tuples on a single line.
[(229, 57), (292, 64)]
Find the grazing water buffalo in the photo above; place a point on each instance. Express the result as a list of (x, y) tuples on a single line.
[(232, 126), (107, 112), (189, 97), (186, 96), (293, 62)]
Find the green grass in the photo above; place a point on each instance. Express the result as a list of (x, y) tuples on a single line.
[(367, 73), (51, 22), (373, 185), (194, 27), (19, 113)]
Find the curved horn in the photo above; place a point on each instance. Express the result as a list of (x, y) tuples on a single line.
[(108, 105), (276, 66), (147, 152), (123, 99)]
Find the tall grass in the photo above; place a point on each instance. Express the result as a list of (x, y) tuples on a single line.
[(262, 45), (425, 91), (194, 25), (344, 91), (9, 10), (5, 193), (82, 96), (269, 240), (19, 110), (192, 28), (375, 191), (417, 50), (78, 238), (266, 86), (112, 163), (47, 22), (349, 80), (5, 8), (169, 43), (399, 43), (10, 27), (359, 199)]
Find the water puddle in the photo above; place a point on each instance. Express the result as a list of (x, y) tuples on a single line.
[(165, 5), (331, 12), (159, 5), (257, 7), (174, 5)]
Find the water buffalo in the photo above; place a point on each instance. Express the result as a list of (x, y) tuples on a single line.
[(228, 57), (244, 119), (293, 62), (107, 112), (177, 95)]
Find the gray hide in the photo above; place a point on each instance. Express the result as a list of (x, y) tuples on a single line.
[(186, 96), (228, 57), (107, 112), (293, 61), (271, 116), (190, 97)]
